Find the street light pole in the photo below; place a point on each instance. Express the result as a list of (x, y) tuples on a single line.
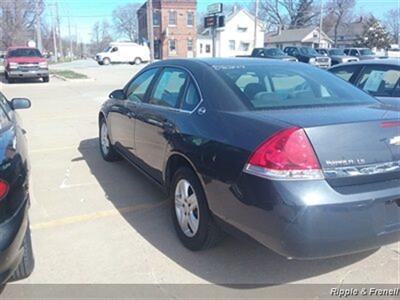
[(150, 29), (38, 26), (320, 23), (257, 3), (54, 36)]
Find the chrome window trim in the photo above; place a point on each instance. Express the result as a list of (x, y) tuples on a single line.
[(173, 108)]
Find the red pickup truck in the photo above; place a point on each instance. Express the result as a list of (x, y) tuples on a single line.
[(25, 62)]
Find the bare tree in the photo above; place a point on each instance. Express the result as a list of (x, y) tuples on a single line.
[(289, 13), (340, 12), (392, 23), (17, 21), (125, 21), (101, 36)]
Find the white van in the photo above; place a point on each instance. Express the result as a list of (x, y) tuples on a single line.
[(123, 53)]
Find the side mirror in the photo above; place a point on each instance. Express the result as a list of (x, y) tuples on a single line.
[(20, 103), (118, 95)]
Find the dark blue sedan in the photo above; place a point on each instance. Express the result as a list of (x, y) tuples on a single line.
[(285, 153)]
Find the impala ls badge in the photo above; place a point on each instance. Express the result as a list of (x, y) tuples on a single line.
[(395, 141)]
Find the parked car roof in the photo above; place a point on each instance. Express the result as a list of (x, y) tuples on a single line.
[(384, 61)]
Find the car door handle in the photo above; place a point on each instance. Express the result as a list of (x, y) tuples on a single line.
[(154, 122), (131, 115)]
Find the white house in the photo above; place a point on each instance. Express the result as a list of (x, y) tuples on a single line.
[(204, 46), (309, 36), (237, 37)]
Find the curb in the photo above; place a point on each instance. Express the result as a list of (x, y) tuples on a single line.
[(72, 80)]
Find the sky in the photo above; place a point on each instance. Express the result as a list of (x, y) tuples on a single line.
[(82, 14)]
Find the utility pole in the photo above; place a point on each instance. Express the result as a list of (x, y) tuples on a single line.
[(38, 26), (214, 41), (150, 34), (71, 53), (320, 23), (60, 43), (257, 3), (54, 36)]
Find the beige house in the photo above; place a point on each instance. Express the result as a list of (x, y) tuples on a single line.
[(309, 37)]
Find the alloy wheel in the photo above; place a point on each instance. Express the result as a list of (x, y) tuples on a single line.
[(187, 208), (105, 143)]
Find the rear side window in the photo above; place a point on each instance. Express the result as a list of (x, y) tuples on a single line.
[(169, 88), (379, 80), (345, 73), (192, 98), (260, 87), (136, 90)]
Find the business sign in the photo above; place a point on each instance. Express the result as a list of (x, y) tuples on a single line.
[(214, 21), (210, 21), (215, 8)]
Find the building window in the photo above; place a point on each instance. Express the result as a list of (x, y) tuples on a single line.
[(208, 49), (201, 47), (172, 18), (190, 45), (190, 18), (244, 46), (232, 45), (242, 29), (172, 47), (156, 18)]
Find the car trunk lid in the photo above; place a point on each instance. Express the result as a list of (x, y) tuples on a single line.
[(354, 144)]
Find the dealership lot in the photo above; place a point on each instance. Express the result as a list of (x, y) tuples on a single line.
[(96, 222)]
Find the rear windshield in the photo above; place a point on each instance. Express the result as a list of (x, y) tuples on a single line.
[(261, 87), (336, 52), (366, 52), (308, 51), (275, 52), (24, 53)]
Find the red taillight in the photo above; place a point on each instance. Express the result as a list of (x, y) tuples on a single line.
[(3, 189), (390, 124), (286, 155)]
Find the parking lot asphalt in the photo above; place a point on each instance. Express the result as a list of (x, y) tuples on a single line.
[(99, 222)]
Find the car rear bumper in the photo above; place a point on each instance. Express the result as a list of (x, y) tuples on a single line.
[(310, 219), (28, 74), (12, 236)]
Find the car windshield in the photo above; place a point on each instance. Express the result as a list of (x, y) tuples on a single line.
[(260, 87), (107, 49), (336, 52), (366, 52), (24, 52), (308, 51), (275, 52)]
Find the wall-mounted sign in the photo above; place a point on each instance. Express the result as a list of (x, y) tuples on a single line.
[(215, 8)]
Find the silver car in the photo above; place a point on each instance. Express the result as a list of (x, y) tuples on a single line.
[(337, 56), (361, 53)]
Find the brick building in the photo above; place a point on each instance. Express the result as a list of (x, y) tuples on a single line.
[(174, 23)]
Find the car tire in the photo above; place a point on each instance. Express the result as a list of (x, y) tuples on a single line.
[(106, 61), (137, 61), (46, 79), (6, 75), (27, 264), (107, 150), (11, 80), (207, 234), (100, 63)]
